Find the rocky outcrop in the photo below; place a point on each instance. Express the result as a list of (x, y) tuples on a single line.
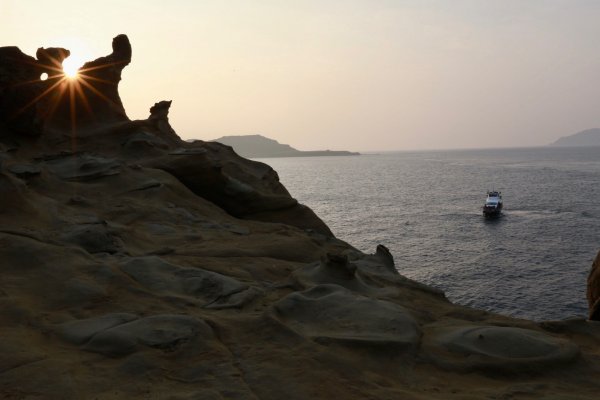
[(136, 265), (23, 94), (593, 290), (244, 188), (100, 84), (36, 95), (159, 118)]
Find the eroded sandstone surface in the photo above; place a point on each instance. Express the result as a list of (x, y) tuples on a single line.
[(135, 265)]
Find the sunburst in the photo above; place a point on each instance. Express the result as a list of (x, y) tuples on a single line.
[(66, 82), (71, 67)]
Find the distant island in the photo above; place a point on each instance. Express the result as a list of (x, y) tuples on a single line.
[(588, 137), (258, 146)]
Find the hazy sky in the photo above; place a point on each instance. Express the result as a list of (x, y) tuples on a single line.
[(347, 74)]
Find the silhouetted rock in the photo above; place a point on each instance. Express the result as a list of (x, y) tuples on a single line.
[(51, 59), (30, 105), (101, 87), (159, 116), (21, 102)]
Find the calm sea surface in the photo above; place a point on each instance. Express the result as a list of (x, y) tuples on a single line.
[(426, 208)]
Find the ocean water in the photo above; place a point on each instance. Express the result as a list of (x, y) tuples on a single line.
[(532, 262)]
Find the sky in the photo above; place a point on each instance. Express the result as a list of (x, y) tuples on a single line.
[(361, 75)]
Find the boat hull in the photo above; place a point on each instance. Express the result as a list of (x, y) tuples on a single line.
[(491, 212)]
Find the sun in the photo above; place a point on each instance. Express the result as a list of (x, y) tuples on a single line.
[(71, 66)]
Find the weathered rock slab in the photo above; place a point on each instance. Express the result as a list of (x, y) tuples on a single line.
[(333, 314), (83, 167), (211, 287), (120, 334), (501, 349)]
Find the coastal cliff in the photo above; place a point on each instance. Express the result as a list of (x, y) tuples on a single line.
[(137, 265)]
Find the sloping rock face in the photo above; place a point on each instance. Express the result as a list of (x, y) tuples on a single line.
[(136, 265)]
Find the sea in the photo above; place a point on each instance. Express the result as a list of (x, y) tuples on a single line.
[(426, 207)]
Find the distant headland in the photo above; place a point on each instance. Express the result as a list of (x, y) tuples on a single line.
[(588, 137), (258, 146)]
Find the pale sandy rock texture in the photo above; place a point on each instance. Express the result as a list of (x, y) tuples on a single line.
[(135, 265)]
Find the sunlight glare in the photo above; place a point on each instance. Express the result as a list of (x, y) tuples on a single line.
[(71, 66)]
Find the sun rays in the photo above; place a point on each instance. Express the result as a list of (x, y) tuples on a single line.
[(71, 66), (67, 86)]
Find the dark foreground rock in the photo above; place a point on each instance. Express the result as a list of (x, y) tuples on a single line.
[(134, 265), (593, 290)]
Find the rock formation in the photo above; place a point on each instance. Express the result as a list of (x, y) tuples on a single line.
[(32, 105), (136, 265), (593, 290)]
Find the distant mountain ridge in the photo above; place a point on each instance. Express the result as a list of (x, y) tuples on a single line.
[(258, 146), (588, 137)]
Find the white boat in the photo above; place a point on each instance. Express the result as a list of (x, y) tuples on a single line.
[(493, 204)]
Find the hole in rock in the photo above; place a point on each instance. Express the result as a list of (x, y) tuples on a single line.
[(43, 76)]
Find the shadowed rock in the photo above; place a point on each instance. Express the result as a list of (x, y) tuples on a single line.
[(244, 188), (332, 314), (80, 331), (334, 269), (93, 238), (593, 290), (120, 334), (387, 259), (21, 109), (24, 171), (15, 197), (143, 140), (83, 167), (503, 349), (161, 277)]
